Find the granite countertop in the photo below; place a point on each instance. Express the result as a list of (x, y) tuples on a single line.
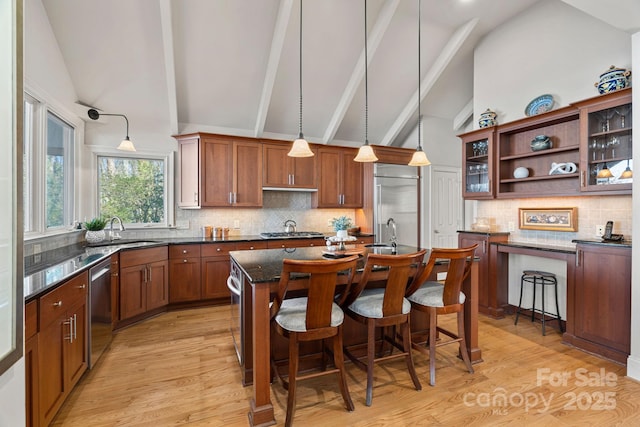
[(620, 244), (537, 246), (265, 265), (46, 270), (487, 232)]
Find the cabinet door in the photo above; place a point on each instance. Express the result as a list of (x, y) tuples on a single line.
[(247, 167), (606, 147), (132, 291), (478, 164), (157, 290), (275, 166), (482, 252), (351, 180), (189, 196), (32, 381), (329, 193), (184, 279), (51, 342), (215, 271), (76, 348), (216, 172), (603, 296)]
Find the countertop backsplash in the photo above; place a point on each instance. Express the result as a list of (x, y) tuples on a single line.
[(592, 211)]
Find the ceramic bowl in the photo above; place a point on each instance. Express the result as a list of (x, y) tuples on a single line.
[(541, 142), (521, 172)]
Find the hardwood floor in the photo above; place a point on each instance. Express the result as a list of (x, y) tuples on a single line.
[(181, 368)]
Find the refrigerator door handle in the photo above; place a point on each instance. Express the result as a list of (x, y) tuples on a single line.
[(378, 213)]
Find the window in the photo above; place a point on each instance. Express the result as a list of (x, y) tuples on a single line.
[(135, 189), (48, 169)]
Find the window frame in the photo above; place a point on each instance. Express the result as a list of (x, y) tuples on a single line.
[(36, 214), (166, 157)]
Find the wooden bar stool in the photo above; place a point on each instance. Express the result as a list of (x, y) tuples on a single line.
[(544, 279)]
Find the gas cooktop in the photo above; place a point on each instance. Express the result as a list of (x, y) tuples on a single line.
[(295, 234)]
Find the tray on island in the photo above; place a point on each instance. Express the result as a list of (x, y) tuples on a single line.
[(329, 253)]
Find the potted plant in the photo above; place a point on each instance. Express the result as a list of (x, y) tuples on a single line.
[(340, 225), (95, 230)]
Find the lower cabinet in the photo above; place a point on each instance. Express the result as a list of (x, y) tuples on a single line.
[(491, 300), (602, 301), (184, 273), (32, 375), (61, 347), (144, 281)]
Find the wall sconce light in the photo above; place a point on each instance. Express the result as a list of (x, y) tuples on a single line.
[(126, 144)]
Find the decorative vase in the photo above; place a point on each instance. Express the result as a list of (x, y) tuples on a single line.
[(521, 172), (488, 118), (95, 236), (613, 79), (342, 234), (541, 142)]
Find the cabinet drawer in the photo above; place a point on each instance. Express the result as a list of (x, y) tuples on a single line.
[(133, 257), (258, 244), (295, 243), (56, 302), (184, 251), (30, 319), (214, 249)]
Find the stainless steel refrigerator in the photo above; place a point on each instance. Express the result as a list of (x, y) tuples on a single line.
[(396, 202)]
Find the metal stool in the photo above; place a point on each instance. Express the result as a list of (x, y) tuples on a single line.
[(539, 278)]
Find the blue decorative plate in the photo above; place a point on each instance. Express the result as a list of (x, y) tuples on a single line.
[(539, 105)]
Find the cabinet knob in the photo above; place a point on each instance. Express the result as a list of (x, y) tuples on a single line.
[(218, 249), (82, 286), (252, 248), (311, 244), (57, 304), (184, 251), (184, 260)]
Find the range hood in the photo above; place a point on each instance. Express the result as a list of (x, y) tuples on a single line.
[(299, 190)]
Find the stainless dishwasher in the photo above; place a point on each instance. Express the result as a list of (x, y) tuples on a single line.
[(100, 328)]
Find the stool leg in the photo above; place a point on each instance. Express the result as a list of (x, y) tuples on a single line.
[(533, 307), (542, 280), (519, 301), (555, 285)]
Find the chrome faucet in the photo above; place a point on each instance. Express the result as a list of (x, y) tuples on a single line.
[(112, 235), (392, 223)]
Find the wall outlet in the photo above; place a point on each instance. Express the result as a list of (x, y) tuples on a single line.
[(183, 224), (236, 223), (512, 226), (599, 230)]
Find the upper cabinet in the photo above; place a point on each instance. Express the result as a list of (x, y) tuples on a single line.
[(340, 179), (605, 138), (478, 150), (282, 171), (582, 149), (219, 171)]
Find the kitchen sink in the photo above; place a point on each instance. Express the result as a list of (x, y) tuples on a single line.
[(120, 242), (381, 248)]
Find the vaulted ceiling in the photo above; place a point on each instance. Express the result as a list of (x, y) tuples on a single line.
[(232, 66)]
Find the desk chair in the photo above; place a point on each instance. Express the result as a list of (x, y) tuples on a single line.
[(434, 298), (310, 318), (381, 308)]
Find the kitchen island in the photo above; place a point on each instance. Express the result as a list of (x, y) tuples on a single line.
[(257, 274)]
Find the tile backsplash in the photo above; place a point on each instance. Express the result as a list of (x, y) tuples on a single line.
[(592, 211)]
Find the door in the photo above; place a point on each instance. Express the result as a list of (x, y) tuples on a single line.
[(446, 206)]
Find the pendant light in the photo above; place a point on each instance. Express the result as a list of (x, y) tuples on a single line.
[(419, 158), (628, 173), (126, 144), (365, 153), (300, 147), (605, 172)]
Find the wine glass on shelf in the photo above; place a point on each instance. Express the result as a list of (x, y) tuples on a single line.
[(623, 111), (613, 143), (593, 146)]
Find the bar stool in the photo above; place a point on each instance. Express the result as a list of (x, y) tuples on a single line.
[(545, 279)]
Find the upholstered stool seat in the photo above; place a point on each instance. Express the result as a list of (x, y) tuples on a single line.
[(544, 279)]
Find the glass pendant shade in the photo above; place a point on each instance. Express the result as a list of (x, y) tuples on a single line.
[(628, 173), (419, 158), (126, 145), (300, 148), (366, 154), (605, 172)]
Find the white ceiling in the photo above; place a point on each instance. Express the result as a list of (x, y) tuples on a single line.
[(232, 66)]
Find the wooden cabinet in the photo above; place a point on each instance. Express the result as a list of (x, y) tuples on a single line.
[(562, 126), (62, 344), (340, 179), (282, 171), (295, 243), (143, 281), (31, 368), (223, 171), (491, 299), (606, 147), (600, 319), (184, 273), (478, 152)]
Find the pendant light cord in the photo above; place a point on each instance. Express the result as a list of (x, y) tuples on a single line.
[(419, 76), (366, 80), (300, 127)]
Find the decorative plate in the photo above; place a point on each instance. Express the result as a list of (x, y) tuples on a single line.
[(539, 105)]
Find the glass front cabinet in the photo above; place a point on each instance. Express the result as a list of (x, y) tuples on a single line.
[(478, 164), (606, 147)]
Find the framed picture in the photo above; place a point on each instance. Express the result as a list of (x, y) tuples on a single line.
[(552, 219)]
